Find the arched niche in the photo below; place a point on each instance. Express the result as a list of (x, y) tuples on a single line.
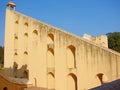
[(16, 37), (26, 24), (16, 26), (35, 37), (25, 40), (102, 78), (50, 58), (15, 41), (50, 38), (25, 57), (71, 82), (51, 81), (26, 34), (15, 56), (71, 57), (35, 32), (25, 53), (16, 22)]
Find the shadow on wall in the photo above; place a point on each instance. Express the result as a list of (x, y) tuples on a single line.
[(22, 72)]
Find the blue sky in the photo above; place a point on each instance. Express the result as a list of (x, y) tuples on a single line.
[(94, 17)]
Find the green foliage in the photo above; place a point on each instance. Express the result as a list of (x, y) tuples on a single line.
[(114, 41), (1, 55)]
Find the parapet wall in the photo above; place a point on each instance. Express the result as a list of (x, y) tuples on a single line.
[(101, 40)]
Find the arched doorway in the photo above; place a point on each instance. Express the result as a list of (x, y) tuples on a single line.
[(35, 38), (71, 57), (71, 82), (51, 81), (50, 39), (50, 58)]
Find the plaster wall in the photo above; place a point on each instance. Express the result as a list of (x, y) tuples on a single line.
[(55, 58)]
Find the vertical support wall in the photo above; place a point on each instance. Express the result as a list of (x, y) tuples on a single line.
[(9, 39), (56, 56)]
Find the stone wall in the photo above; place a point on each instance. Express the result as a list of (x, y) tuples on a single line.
[(55, 58), (101, 40)]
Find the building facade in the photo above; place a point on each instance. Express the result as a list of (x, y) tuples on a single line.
[(57, 59)]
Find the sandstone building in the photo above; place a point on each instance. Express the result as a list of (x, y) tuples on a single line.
[(55, 59)]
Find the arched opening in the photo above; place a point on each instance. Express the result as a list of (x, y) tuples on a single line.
[(25, 53), (25, 40), (50, 38), (35, 38), (102, 78), (16, 26), (51, 81), (50, 58), (5, 88), (71, 82), (35, 33), (16, 22), (71, 57), (15, 56), (16, 37), (15, 41), (26, 34), (25, 57), (26, 24)]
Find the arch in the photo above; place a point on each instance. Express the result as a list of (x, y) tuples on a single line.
[(15, 53), (16, 37), (71, 57), (50, 38), (15, 41), (26, 34), (25, 40), (51, 80), (16, 22), (15, 56), (25, 53), (50, 58), (71, 82), (16, 26), (35, 38), (35, 32), (51, 74), (51, 50), (26, 24), (5, 88), (102, 78), (25, 57)]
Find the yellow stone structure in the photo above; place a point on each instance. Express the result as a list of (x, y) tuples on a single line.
[(56, 59), (101, 40)]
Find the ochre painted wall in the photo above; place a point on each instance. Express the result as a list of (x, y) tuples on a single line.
[(57, 59)]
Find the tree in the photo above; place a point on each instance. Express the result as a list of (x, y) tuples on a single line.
[(114, 41)]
